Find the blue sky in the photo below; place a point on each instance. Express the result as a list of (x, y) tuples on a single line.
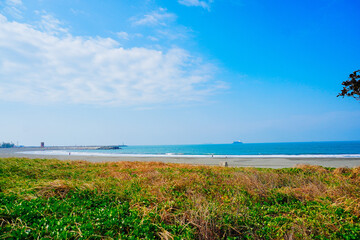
[(177, 71)]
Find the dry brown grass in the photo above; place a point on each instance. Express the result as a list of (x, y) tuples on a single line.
[(312, 168), (305, 193), (55, 188)]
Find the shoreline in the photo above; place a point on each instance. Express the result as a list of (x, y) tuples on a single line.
[(260, 162)]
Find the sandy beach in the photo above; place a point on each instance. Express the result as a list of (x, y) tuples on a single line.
[(276, 162)]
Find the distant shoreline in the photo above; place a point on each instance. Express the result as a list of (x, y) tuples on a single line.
[(261, 162), (94, 147)]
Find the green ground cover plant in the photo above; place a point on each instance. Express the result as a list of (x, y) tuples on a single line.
[(52, 199)]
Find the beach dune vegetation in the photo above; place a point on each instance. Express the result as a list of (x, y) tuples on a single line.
[(47, 198)]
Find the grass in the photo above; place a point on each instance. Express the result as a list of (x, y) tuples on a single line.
[(52, 199)]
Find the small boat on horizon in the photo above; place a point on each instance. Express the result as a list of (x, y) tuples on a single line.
[(237, 142)]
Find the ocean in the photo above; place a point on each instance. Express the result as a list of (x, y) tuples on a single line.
[(349, 149)]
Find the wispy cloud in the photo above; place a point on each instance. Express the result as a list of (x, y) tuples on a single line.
[(52, 25), (171, 34), (77, 12), (161, 27), (196, 3), (13, 8), (38, 65), (126, 36), (158, 17), (14, 2), (123, 35)]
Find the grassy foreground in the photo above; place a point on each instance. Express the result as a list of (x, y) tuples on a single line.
[(54, 199)]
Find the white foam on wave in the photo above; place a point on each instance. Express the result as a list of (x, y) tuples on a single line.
[(173, 155)]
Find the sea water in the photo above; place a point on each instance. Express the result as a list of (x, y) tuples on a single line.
[(298, 149)]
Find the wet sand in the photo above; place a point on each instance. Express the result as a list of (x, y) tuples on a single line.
[(275, 162)]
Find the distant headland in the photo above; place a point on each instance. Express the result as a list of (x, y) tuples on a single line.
[(108, 147)]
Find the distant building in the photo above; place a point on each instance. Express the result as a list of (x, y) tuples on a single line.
[(7, 145), (42, 144)]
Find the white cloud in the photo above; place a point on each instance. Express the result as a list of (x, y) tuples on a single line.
[(38, 65), (196, 3), (159, 17)]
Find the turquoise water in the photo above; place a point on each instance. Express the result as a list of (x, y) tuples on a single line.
[(325, 149)]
